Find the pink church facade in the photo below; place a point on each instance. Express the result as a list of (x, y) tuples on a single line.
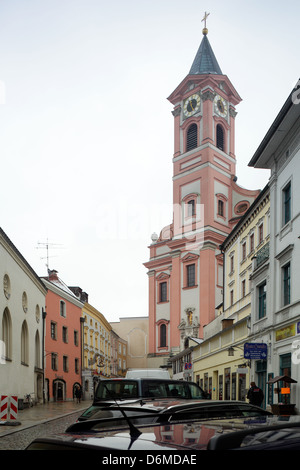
[(185, 268)]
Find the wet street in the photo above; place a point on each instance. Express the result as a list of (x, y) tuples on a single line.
[(38, 421)]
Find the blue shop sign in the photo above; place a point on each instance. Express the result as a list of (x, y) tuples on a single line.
[(255, 351)]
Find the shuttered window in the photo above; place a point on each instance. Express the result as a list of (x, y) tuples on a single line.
[(191, 141), (220, 137)]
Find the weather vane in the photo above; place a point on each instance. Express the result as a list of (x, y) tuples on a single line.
[(205, 30)]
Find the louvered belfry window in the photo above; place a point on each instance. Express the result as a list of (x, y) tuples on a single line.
[(191, 140), (220, 137)]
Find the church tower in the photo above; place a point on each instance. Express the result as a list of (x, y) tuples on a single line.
[(185, 269)]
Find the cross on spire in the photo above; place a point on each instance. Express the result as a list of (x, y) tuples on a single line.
[(205, 30)]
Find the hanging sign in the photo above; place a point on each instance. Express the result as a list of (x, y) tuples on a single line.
[(255, 351)]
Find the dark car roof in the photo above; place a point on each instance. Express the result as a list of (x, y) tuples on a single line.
[(167, 410), (193, 436)]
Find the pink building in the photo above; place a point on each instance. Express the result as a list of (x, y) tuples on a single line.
[(185, 268), (63, 339)]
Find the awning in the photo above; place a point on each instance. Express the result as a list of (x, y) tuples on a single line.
[(284, 378)]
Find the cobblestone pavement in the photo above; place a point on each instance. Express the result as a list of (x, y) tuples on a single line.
[(40, 420)]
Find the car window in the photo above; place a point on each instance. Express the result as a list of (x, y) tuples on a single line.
[(117, 389), (196, 392)]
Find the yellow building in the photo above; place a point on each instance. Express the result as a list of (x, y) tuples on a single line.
[(219, 365), (96, 348)]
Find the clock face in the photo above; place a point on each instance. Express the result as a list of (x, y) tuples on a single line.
[(220, 106), (191, 105)]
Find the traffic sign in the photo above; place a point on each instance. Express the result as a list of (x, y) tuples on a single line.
[(255, 351)]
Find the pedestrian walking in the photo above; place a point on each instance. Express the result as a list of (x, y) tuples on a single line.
[(78, 394), (255, 395)]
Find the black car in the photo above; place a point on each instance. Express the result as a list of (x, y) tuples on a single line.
[(123, 392), (165, 410), (159, 441)]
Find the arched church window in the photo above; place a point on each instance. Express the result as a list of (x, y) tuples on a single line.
[(191, 137), (220, 137)]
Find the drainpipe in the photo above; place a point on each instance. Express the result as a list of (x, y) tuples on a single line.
[(81, 355), (43, 349)]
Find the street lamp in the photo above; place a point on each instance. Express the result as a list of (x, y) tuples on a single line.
[(231, 350)]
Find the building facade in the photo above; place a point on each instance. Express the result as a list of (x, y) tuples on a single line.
[(219, 363), (279, 327), (135, 331), (185, 269), (22, 304), (96, 348), (63, 340)]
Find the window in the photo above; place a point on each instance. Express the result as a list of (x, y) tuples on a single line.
[(53, 327), (65, 334), (6, 345), (24, 344), (191, 208), (286, 284), (163, 292), (231, 297), (191, 141), (220, 137), (260, 233), (62, 309), (54, 361), (244, 251), (65, 364), (163, 335), (262, 300), (287, 204), (243, 288), (76, 336), (190, 275), (232, 263), (221, 208), (251, 242), (76, 366)]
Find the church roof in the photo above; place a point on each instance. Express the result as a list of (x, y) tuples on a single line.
[(205, 61)]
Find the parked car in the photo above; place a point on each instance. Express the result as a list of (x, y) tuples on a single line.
[(159, 440), (166, 411), (127, 391)]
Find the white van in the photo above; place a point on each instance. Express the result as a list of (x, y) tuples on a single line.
[(150, 373)]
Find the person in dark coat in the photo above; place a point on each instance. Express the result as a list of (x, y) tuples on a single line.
[(255, 395)]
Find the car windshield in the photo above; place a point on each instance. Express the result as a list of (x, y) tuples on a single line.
[(177, 390), (117, 389)]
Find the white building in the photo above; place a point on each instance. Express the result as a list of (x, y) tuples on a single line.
[(22, 303), (275, 282)]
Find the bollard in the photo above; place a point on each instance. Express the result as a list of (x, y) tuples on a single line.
[(13, 407), (3, 407)]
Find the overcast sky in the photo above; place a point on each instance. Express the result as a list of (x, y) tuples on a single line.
[(86, 130)]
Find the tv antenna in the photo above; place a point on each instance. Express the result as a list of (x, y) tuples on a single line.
[(46, 246)]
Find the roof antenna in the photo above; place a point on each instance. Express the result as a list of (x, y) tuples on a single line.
[(46, 245)]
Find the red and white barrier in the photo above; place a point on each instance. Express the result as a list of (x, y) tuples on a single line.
[(3, 407), (13, 412)]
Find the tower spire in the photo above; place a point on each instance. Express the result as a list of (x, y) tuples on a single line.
[(205, 61)]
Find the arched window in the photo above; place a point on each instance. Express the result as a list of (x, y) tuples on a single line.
[(163, 335), (220, 137), (6, 335), (191, 137), (24, 344)]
